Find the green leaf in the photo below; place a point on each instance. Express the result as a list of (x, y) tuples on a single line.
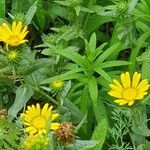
[(76, 114), (72, 74), (37, 64), (107, 53), (92, 42), (80, 124), (100, 133), (82, 144), (16, 6), (9, 135), (102, 73), (2, 8), (74, 57), (141, 130), (93, 22), (132, 5), (145, 58), (135, 51), (114, 63), (93, 89), (40, 14), (30, 14), (98, 50), (23, 94), (98, 106)]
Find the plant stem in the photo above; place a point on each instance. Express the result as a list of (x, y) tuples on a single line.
[(45, 95)]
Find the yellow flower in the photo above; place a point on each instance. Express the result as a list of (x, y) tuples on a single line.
[(33, 142), (13, 36), (129, 90), (57, 84), (36, 120)]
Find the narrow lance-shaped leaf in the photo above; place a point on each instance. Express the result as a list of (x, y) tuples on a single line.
[(102, 73), (100, 133), (93, 89), (74, 57), (30, 14), (92, 42), (107, 53), (23, 94), (114, 63), (2, 8), (72, 74)]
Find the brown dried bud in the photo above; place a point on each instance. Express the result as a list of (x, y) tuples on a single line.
[(65, 133), (3, 113)]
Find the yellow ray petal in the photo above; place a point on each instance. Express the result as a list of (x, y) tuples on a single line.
[(44, 110), (6, 29), (130, 103), (143, 86), (38, 109), (117, 83), (13, 26), (141, 95), (54, 116), (125, 79), (116, 88), (115, 94), (55, 126), (29, 129), (136, 79), (18, 28), (120, 101)]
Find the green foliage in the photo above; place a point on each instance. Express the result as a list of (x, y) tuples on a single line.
[(100, 133), (9, 135), (86, 44), (2, 9)]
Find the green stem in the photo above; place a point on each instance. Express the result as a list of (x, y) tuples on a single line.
[(45, 95), (134, 54), (41, 92)]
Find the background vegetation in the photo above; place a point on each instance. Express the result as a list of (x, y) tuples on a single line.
[(85, 44)]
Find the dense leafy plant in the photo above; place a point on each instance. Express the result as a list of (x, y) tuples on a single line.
[(72, 55)]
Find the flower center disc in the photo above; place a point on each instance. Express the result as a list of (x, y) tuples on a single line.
[(129, 94), (39, 122)]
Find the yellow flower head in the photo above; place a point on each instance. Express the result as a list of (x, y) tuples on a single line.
[(34, 142), (36, 119), (57, 84), (129, 90), (13, 36), (12, 55)]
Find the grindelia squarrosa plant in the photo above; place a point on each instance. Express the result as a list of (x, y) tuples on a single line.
[(74, 74)]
